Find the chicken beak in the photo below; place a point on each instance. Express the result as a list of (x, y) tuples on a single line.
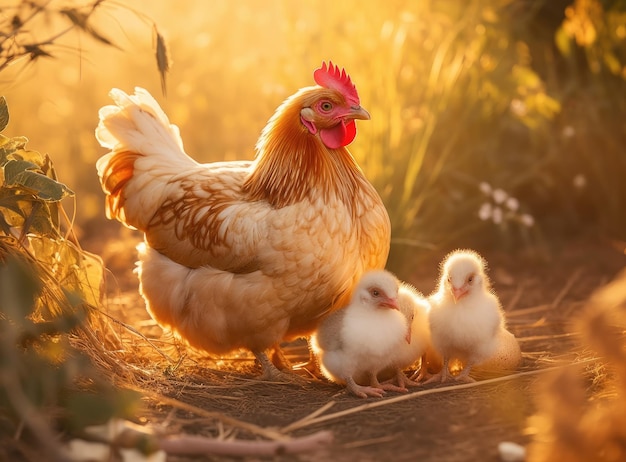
[(458, 293), (357, 112), (391, 303)]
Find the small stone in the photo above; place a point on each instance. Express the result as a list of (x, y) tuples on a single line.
[(511, 452)]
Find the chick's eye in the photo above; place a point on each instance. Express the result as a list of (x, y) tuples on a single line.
[(375, 292), (326, 106), (470, 278)]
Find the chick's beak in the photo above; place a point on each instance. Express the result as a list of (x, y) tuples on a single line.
[(357, 112), (459, 292), (391, 303)]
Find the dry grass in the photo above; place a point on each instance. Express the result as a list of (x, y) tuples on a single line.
[(190, 392)]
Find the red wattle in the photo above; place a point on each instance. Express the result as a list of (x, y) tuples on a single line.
[(339, 135)]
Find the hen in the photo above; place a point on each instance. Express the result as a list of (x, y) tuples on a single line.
[(252, 253)]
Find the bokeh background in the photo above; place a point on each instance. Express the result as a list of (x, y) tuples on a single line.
[(494, 122)]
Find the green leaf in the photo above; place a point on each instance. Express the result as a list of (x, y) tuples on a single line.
[(15, 167), (20, 173), (4, 113), (8, 146), (31, 156)]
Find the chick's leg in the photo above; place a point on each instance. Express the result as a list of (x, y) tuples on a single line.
[(388, 386), (443, 375), (430, 364), (361, 391), (404, 381), (464, 375)]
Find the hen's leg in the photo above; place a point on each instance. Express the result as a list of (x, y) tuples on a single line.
[(361, 391), (280, 360), (272, 373), (310, 366)]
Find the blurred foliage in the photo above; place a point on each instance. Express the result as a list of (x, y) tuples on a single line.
[(48, 284), (515, 94), (46, 384)]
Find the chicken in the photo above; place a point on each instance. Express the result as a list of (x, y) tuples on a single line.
[(415, 307), (506, 358), (354, 344), (246, 254), (466, 319)]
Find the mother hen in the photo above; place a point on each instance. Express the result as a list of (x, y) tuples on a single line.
[(246, 254)]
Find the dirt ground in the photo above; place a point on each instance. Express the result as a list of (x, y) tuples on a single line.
[(189, 392)]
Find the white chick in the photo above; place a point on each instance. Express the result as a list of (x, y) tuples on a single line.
[(505, 359), (415, 307), (355, 343), (465, 316)]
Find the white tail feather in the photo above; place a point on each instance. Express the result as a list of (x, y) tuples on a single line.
[(146, 153), (137, 123)]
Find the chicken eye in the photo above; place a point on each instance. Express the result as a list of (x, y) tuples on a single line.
[(470, 278), (375, 292), (326, 106)]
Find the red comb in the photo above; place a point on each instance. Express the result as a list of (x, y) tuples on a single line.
[(331, 77)]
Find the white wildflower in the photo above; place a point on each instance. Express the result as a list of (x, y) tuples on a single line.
[(527, 220), (512, 204), (484, 213), (568, 132), (579, 181), (518, 107), (499, 196), (485, 188), (496, 215)]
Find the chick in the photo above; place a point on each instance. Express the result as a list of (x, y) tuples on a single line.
[(415, 307), (505, 359), (355, 343), (466, 319)]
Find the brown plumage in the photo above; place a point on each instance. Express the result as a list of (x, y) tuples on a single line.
[(246, 254)]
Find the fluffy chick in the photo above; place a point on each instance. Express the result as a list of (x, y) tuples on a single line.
[(355, 343), (465, 317), (415, 308)]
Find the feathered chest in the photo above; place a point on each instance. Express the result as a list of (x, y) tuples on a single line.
[(209, 218)]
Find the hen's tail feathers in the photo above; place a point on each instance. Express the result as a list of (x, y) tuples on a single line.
[(146, 152)]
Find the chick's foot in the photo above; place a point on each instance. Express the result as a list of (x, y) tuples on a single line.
[(363, 391)]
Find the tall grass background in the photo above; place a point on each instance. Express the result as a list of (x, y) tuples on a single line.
[(496, 123), (527, 97)]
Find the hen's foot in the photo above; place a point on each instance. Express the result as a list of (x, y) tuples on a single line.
[(272, 374), (363, 392)]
